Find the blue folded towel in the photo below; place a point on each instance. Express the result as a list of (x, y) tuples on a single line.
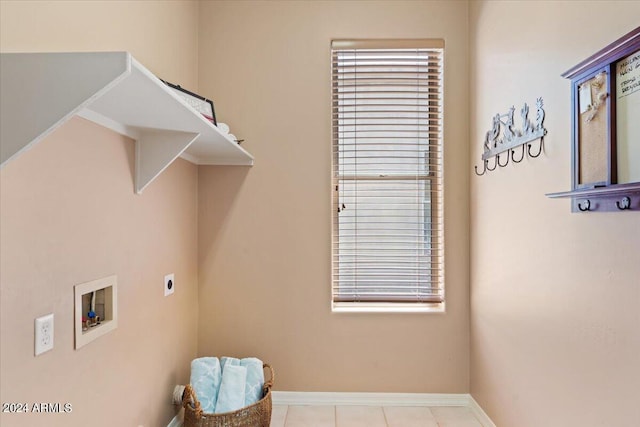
[(229, 360), (232, 387), (205, 380), (255, 380)]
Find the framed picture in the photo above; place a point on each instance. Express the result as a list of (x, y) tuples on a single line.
[(201, 104), (592, 121)]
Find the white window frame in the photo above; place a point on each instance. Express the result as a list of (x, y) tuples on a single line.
[(351, 295)]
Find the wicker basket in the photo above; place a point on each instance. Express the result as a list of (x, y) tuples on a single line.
[(256, 415)]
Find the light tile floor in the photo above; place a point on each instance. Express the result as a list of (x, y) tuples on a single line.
[(372, 416)]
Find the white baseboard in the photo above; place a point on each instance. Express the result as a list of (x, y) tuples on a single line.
[(177, 420), (368, 399), (382, 399), (479, 413)]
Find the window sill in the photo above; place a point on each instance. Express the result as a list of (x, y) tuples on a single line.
[(387, 308)]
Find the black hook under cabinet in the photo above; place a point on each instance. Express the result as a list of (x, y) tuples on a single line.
[(624, 203), (584, 206)]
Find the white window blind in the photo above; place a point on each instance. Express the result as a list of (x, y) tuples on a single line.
[(387, 244)]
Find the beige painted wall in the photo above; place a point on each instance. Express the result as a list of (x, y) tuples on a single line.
[(264, 248), (68, 214), (161, 35), (555, 325)]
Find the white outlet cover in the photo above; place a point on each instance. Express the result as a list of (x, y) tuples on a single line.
[(44, 334), (169, 284)]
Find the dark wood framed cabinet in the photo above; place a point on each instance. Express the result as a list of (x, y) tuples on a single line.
[(605, 102)]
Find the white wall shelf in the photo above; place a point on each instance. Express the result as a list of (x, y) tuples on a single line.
[(41, 91)]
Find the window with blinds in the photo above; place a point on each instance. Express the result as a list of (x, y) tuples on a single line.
[(387, 246)]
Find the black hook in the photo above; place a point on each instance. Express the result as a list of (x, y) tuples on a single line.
[(624, 204), (498, 160), (484, 170), (539, 152), (495, 165), (587, 206), (521, 158)]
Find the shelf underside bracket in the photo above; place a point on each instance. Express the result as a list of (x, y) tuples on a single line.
[(40, 92), (156, 150)]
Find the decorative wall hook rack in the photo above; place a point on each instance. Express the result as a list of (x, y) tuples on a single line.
[(505, 138)]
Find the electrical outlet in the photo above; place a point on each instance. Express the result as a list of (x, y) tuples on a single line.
[(169, 284), (44, 333)]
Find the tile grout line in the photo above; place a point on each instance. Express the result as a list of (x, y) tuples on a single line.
[(286, 414), (384, 414)]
